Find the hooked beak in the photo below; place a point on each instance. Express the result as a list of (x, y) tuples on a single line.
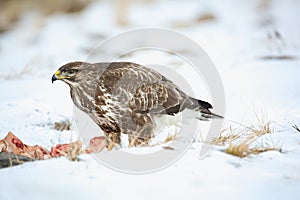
[(56, 76)]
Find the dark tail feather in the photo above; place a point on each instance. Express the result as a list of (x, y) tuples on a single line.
[(204, 104), (203, 107), (215, 116)]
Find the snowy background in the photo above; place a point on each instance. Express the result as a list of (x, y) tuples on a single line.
[(255, 46)]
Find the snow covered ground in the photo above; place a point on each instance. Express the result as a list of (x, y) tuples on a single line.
[(255, 46)]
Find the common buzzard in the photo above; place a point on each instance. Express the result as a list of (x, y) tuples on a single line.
[(123, 97)]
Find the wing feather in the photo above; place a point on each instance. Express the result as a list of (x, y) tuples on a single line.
[(146, 90)]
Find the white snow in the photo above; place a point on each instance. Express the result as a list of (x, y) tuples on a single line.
[(236, 41)]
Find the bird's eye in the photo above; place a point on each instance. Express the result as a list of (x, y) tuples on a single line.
[(71, 71)]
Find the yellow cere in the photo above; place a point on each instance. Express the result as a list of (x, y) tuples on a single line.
[(57, 73)]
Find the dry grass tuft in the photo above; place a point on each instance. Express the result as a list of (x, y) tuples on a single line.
[(242, 149), (246, 147), (242, 141), (225, 138), (263, 127), (63, 125), (170, 137), (259, 150), (27, 69)]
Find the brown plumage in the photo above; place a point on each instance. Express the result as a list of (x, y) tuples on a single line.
[(123, 97)]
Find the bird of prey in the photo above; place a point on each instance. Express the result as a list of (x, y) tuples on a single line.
[(124, 97)]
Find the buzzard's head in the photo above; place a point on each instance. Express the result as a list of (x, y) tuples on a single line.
[(69, 73)]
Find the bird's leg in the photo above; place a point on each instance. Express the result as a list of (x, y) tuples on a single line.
[(136, 140), (112, 140), (110, 146), (132, 141), (143, 133)]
